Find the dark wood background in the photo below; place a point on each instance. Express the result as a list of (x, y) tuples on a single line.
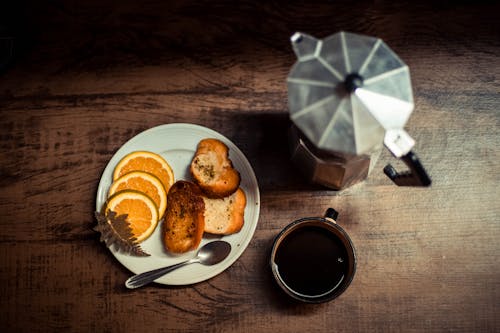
[(86, 76)]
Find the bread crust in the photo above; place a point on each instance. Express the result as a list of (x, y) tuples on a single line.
[(213, 170), (184, 218), (225, 216)]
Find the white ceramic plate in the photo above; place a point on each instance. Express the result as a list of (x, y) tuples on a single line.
[(177, 144)]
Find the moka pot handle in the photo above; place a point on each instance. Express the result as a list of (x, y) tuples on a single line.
[(400, 144)]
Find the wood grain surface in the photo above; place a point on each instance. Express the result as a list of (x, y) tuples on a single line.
[(86, 76)]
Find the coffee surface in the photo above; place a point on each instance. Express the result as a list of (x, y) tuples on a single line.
[(312, 261)]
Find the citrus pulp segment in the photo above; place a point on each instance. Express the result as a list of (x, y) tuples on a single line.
[(143, 182), (148, 162)]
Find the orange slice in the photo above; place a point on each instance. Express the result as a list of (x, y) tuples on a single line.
[(148, 162), (143, 182), (141, 209)]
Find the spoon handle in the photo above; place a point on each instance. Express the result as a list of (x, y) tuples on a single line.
[(142, 279)]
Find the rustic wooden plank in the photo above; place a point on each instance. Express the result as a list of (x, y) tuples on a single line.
[(84, 150), (400, 275), (173, 47)]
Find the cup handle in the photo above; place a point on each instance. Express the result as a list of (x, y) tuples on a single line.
[(331, 214)]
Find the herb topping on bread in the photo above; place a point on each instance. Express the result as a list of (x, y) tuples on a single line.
[(212, 169), (184, 218)]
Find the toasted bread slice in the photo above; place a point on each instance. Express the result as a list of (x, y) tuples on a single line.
[(184, 218), (212, 169), (225, 216)]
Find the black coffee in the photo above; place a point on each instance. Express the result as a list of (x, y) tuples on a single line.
[(312, 261)]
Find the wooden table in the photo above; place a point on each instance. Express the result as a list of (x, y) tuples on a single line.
[(87, 76)]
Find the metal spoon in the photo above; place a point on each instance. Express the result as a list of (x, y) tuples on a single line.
[(210, 254)]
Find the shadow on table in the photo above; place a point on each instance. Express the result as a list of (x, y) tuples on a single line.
[(263, 138)]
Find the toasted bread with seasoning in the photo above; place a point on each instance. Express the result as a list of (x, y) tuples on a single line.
[(184, 218), (225, 216), (212, 169)]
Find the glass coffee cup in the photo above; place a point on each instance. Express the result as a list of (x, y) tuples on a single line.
[(313, 259)]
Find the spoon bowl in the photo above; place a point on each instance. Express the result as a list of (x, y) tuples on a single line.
[(210, 254)]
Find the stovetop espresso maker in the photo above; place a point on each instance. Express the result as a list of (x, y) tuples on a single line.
[(348, 96)]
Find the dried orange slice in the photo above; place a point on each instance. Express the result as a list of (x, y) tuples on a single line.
[(148, 162), (141, 210), (143, 182)]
